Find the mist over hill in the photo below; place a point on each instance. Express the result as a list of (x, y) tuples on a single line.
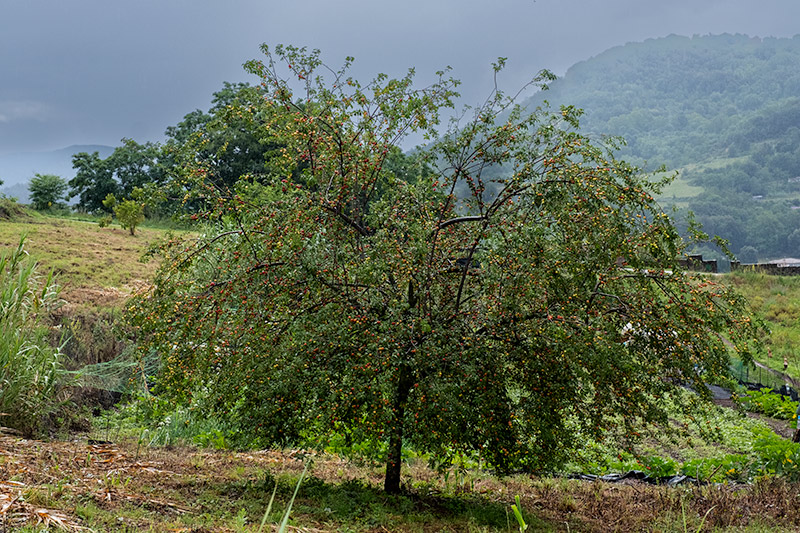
[(16, 170), (724, 110)]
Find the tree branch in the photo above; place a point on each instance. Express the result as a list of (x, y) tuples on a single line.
[(459, 220)]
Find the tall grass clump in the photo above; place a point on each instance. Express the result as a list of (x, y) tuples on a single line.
[(31, 373)]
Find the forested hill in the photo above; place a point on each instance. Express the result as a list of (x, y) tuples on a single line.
[(723, 110)]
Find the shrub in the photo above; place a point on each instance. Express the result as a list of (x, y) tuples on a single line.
[(771, 404), (130, 214)]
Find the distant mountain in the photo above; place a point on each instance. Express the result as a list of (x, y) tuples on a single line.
[(16, 170), (724, 110)]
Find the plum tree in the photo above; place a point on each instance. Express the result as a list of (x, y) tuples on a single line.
[(514, 290)]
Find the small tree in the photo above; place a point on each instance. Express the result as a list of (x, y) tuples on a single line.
[(541, 306), (130, 214), (47, 191)]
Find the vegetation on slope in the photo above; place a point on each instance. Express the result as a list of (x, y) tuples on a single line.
[(777, 300), (723, 109)]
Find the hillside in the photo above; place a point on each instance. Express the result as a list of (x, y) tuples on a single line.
[(723, 110), (93, 265)]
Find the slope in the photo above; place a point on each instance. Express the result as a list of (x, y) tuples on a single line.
[(723, 110)]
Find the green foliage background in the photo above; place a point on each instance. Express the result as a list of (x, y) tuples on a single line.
[(723, 109)]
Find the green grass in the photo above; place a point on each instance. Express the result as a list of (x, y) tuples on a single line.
[(82, 254), (777, 300), (679, 190)]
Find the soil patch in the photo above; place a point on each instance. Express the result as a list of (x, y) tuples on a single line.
[(780, 427)]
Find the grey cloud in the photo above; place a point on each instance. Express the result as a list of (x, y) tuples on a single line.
[(11, 111), (106, 70)]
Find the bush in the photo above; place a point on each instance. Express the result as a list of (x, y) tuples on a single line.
[(31, 372), (771, 404)]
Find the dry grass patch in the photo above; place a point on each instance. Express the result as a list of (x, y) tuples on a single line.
[(110, 487)]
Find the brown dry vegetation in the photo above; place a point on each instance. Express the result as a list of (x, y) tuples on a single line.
[(124, 487)]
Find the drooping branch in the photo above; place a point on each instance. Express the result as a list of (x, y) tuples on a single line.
[(459, 220)]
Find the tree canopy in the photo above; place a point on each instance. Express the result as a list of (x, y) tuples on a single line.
[(130, 166), (47, 191), (337, 295)]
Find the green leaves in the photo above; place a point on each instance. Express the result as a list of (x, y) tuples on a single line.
[(47, 191), (31, 373), (473, 298), (517, 509)]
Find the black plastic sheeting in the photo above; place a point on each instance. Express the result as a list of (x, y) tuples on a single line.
[(786, 390), (638, 475)]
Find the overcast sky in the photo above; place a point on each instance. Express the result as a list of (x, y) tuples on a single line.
[(95, 71)]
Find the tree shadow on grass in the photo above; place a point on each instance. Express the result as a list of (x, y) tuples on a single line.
[(358, 505), (355, 501)]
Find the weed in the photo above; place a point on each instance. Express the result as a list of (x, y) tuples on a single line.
[(285, 521), (703, 521), (517, 509), (31, 372)]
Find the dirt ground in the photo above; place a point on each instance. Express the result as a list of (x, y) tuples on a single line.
[(39, 479), (781, 427), (56, 484)]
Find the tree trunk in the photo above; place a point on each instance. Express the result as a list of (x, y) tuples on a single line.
[(394, 459)]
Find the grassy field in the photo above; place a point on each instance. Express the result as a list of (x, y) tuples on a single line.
[(119, 478), (93, 265), (678, 192), (776, 299)]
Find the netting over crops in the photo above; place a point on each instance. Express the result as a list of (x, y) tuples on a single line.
[(756, 374), (129, 373)]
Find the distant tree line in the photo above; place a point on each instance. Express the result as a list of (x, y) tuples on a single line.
[(228, 140)]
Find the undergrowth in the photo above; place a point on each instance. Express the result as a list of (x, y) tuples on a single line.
[(32, 376)]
